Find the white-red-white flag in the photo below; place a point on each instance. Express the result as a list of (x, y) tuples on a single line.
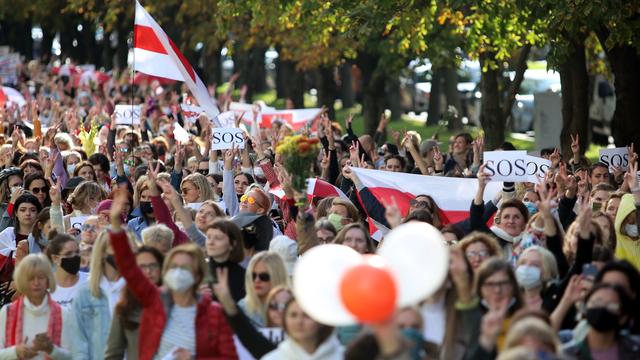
[(155, 54)]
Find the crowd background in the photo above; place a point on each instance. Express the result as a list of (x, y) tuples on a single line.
[(117, 240)]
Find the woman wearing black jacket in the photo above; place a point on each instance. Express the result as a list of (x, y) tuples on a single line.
[(225, 249)]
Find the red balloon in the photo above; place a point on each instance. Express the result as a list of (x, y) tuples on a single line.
[(369, 291)]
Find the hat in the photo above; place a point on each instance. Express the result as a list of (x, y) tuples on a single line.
[(427, 145), (287, 249), (104, 205), (74, 182), (8, 172)]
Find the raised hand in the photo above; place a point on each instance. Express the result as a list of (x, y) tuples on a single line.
[(483, 177), (491, 325), (348, 121), (633, 157), (324, 163), (392, 213), (575, 147), (120, 200), (228, 158), (630, 177), (438, 159), (55, 192), (354, 153), (555, 158)]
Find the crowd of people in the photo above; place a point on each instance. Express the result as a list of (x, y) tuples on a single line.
[(117, 241)]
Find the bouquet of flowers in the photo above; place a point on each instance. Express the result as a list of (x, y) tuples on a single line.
[(298, 154)]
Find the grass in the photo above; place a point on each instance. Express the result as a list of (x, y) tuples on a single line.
[(408, 123)]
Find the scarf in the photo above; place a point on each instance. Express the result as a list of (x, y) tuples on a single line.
[(510, 244), (15, 323)]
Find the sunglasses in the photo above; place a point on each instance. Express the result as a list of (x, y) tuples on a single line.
[(264, 277), (87, 227), (277, 306), (420, 204), (246, 198), (37, 190)]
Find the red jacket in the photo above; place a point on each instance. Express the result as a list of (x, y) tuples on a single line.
[(163, 216), (214, 338)]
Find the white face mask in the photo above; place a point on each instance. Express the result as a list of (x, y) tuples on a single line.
[(178, 279), (528, 276), (631, 230), (70, 169)]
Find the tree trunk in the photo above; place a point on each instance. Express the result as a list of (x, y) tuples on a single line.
[(575, 99), (373, 84), (346, 86), (293, 83), (453, 96), (394, 102), (625, 64), (212, 66), (491, 118), (514, 87), (434, 111), (257, 72), (327, 88)]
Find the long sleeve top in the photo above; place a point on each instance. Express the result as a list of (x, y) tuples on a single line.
[(163, 216)]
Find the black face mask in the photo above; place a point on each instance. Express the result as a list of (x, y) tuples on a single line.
[(602, 319), (111, 261), (145, 207), (71, 264)]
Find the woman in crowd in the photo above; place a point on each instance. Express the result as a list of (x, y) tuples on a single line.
[(193, 325), (325, 232), (478, 247), (224, 248), (266, 270), (124, 332), (84, 199), (357, 237), (25, 217), (84, 169), (64, 253), (306, 338), (196, 189), (143, 211), (34, 326), (38, 186), (96, 299)]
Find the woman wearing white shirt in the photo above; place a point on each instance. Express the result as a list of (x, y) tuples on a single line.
[(64, 253), (34, 326), (95, 301)]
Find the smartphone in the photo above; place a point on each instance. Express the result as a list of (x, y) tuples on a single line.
[(596, 206), (589, 271)]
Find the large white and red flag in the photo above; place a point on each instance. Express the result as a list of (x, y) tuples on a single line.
[(297, 118), (452, 195), (315, 188), (155, 54)]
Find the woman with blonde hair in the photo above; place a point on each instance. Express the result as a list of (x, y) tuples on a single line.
[(191, 326), (266, 270), (536, 270), (34, 326), (95, 301), (357, 237), (478, 247), (534, 334), (196, 189), (277, 300), (84, 199)]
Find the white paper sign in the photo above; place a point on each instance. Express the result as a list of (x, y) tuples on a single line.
[(127, 114), (515, 166), (227, 119), (77, 221), (537, 168), (195, 206), (616, 157), (180, 134), (225, 138), (191, 112)]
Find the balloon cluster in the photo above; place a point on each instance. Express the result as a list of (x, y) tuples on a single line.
[(337, 286)]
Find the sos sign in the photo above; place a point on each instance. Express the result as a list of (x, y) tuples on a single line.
[(226, 138), (515, 166), (127, 114), (617, 157)]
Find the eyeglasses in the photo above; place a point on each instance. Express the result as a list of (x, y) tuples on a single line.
[(420, 204), (246, 198), (451, 243), (88, 227), (264, 277), (326, 240), (37, 190), (149, 267), (277, 306), (497, 285), (477, 254)]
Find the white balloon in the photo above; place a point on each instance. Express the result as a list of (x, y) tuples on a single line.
[(316, 283), (418, 260)]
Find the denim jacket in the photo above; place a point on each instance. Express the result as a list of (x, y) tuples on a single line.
[(92, 320)]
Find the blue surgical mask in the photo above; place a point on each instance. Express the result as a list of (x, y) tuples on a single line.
[(631, 230), (531, 207), (417, 342), (70, 169)]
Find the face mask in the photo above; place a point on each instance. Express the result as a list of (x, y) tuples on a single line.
[(531, 207), (71, 264), (631, 230), (145, 207), (602, 319), (336, 221), (528, 276), (178, 280), (257, 171), (70, 169), (111, 261), (415, 337)]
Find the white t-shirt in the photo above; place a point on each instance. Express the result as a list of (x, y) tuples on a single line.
[(64, 295), (180, 332)]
